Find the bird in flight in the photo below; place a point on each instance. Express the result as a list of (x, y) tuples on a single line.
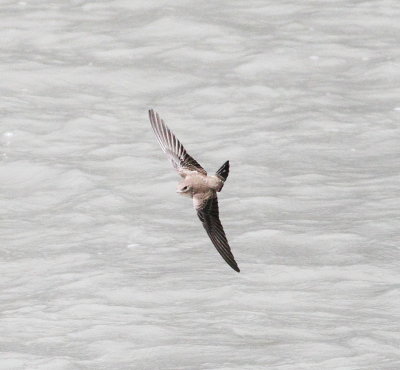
[(197, 185)]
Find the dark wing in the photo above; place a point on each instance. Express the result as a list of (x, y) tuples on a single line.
[(171, 146), (208, 213)]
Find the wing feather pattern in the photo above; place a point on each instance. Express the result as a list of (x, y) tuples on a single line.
[(208, 213), (171, 146)]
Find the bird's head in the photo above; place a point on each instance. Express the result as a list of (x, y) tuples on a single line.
[(184, 189)]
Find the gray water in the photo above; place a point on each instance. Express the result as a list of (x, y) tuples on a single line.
[(103, 266)]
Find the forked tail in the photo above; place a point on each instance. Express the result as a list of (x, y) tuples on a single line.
[(223, 172)]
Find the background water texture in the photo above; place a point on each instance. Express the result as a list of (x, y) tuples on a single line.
[(103, 266)]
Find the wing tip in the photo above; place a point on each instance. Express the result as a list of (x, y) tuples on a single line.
[(235, 266), (151, 115)]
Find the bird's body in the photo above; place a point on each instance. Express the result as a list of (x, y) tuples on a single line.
[(198, 185), (201, 184)]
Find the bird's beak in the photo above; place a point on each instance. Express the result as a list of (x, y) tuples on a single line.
[(179, 191)]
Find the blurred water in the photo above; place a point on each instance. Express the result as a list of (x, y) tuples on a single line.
[(99, 266)]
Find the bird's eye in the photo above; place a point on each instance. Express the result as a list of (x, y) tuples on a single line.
[(185, 188)]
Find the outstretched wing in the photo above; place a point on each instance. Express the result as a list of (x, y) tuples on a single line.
[(208, 213), (172, 147)]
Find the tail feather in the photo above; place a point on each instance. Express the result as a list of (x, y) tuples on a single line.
[(223, 172)]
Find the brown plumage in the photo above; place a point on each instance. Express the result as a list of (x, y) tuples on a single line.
[(197, 185)]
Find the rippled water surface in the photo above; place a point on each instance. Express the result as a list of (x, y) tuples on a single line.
[(103, 266)]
